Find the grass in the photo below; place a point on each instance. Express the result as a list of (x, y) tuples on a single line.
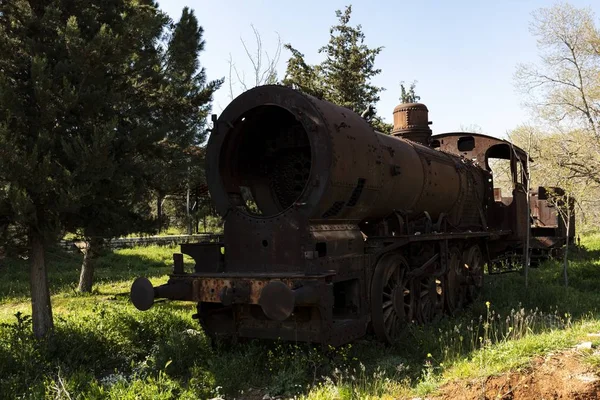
[(103, 348)]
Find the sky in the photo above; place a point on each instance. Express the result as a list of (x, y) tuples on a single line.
[(463, 54)]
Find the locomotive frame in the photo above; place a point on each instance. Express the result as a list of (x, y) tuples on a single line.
[(333, 229)]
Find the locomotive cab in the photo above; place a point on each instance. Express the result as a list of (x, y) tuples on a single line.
[(507, 167)]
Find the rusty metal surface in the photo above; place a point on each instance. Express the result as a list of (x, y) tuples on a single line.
[(411, 121), (504, 212), (449, 142), (548, 226), (313, 198), (349, 163), (212, 289)]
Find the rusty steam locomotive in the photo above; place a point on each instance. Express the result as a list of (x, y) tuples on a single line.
[(333, 229)]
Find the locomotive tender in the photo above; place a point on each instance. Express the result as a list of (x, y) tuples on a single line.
[(332, 229)]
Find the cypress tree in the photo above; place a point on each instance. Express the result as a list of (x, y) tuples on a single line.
[(181, 170)]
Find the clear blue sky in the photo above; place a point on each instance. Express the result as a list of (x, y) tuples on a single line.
[(462, 53)]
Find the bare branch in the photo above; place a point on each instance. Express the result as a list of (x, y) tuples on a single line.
[(230, 77), (262, 72), (242, 79)]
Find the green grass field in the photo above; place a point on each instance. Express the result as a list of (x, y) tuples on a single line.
[(103, 348)]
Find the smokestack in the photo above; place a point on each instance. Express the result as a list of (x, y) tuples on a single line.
[(411, 121)]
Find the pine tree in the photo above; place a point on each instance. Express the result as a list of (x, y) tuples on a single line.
[(185, 105), (33, 93), (349, 66), (116, 142), (344, 77), (190, 91), (190, 97), (302, 76)]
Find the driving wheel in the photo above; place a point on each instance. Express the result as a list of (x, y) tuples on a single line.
[(456, 290), (392, 302)]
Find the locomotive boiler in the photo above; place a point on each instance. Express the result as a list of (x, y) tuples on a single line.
[(332, 229)]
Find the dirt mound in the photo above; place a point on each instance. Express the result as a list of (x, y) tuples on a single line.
[(556, 376)]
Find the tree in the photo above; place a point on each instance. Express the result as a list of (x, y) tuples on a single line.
[(115, 142), (264, 66), (563, 202), (302, 76), (564, 88), (344, 76), (185, 105), (408, 96), (349, 65), (563, 94), (571, 189), (552, 155), (529, 132), (528, 191), (181, 170), (84, 108)]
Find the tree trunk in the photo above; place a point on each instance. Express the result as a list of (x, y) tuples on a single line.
[(566, 256), (188, 216), (527, 254), (41, 307), (159, 199), (86, 278)]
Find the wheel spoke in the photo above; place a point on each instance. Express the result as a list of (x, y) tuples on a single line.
[(454, 289), (389, 327), (386, 314), (394, 325), (391, 297)]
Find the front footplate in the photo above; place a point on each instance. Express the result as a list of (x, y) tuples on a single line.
[(291, 307)]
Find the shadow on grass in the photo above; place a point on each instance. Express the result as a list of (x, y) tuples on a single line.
[(113, 344), (165, 338), (64, 269)]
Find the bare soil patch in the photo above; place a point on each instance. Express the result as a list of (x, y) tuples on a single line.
[(563, 375)]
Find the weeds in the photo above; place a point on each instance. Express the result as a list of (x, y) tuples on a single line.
[(102, 348), (493, 328)]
